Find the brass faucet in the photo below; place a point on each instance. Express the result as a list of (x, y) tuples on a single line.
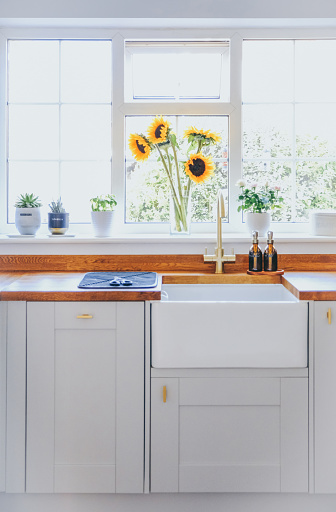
[(219, 257)]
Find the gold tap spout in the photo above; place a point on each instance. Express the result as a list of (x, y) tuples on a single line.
[(219, 257)]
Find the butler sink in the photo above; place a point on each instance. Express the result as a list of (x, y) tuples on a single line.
[(228, 326)]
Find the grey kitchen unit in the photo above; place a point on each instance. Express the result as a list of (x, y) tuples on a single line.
[(85, 395)]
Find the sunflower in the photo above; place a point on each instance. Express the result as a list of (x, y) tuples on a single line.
[(199, 167), (194, 132), (157, 131), (139, 146)]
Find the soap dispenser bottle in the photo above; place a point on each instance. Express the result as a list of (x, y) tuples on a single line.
[(255, 255), (270, 254)]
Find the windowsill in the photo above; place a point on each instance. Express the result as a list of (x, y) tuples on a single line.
[(161, 238)]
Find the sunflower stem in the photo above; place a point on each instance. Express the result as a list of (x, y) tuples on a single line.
[(176, 202), (183, 205)]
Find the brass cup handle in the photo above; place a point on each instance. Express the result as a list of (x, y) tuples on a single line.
[(85, 316)]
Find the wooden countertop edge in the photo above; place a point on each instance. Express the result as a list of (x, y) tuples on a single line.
[(12, 290), (71, 296)]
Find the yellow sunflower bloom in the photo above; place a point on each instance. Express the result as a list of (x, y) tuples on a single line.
[(199, 168), (212, 135), (157, 131), (139, 147), (190, 131), (206, 134)]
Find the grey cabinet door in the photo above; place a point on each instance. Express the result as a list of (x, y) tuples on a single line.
[(229, 435), (85, 395), (3, 319), (325, 397)]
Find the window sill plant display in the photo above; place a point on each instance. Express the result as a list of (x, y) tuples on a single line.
[(182, 173), (58, 218), (27, 214), (102, 214), (257, 202)]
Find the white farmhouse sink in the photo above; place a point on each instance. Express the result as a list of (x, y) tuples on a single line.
[(228, 326)]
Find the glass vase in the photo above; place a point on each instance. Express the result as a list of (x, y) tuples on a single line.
[(180, 214)]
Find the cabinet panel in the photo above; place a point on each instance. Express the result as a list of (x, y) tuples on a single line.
[(3, 330), (229, 435), (85, 417), (164, 436), (84, 397), (324, 397)]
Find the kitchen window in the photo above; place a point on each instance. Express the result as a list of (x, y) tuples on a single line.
[(71, 104), (59, 122), (289, 122)]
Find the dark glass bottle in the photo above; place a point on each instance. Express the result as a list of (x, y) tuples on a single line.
[(255, 254), (270, 255)]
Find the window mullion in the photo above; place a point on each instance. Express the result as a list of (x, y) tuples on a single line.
[(235, 131), (118, 129), (3, 138)]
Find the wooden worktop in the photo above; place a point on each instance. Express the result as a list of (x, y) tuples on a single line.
[(55, 278), (63, 286)]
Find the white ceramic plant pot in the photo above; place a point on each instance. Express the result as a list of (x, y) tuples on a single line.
[(258, 222), (27, 220), (102, 223)]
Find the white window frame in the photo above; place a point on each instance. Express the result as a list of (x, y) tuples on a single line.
[(122, 108)]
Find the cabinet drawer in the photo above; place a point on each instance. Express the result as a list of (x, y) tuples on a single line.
[(85, 315)]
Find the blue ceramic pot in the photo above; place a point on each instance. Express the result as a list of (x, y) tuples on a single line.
[(58, 223)]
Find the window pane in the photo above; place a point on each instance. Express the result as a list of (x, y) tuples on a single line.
[(315, 77), (147, 185), (86, 71), (86, 132), (33, 69), (316, 130), (79, 182), (268, 73), (176, 76), (39, 178), (33, 132), (177, 70), (267, 130), (316, 187)]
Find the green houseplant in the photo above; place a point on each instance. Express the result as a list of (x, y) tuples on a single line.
[(58, 218), (257, 202), (102, 208), (27, 214)]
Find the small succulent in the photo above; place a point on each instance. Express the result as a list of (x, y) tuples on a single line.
[(103, 203), (28, 201), (57, 206)]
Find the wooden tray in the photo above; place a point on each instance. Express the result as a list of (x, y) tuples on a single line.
[(265, 273)]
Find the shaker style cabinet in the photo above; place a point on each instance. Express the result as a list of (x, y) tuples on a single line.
[(325, 397), (3, 330), (242, 434), (85, 396)]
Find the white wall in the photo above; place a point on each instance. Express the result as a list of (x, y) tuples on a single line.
[(168, 8)]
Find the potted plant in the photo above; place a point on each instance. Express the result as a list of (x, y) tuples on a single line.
[(58, 218), (102, 214), (257, 205), (28, 215)]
